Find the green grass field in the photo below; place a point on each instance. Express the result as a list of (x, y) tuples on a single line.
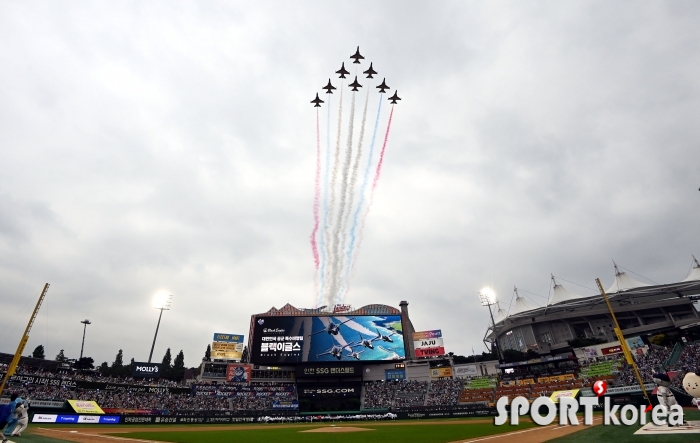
[(429, 433), (625, 434)]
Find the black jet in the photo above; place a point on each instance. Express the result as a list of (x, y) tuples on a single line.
[(357, 57), (370, 72), (394, 97), (332, 328), (354, 85), (329, 88), (383, 87), (317, 101), (342, 71)]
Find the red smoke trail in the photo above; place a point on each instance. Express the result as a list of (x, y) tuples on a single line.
[(381, 154), (317, 193)]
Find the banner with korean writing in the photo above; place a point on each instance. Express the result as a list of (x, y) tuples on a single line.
[(227, 350), (329, 338), (424, 335)]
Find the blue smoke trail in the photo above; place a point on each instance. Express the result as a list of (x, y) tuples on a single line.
[(326, 177), (356, 216)]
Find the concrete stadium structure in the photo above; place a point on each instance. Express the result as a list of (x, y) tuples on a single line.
[(640, 308)]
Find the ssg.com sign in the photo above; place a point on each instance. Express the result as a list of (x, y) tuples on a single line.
[(628, 415), (145, 370)]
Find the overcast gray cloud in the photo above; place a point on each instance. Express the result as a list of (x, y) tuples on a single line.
[(171, 146)]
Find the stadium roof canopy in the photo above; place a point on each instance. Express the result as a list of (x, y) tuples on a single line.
[(625, 290), (289, 310)]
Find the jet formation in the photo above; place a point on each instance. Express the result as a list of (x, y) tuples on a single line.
[(355, 85)]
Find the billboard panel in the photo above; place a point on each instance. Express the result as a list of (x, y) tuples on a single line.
[(327, 338), (145, 370), (441, 372), (349, 369), (466, 371), (424, 335), (430, 352), (227, 350), (85, 407), (238, 373), (395, 374), (231, 338), (428, 343)]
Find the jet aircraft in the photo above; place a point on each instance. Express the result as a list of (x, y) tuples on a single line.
[(336, 351), (332, 328), (357, 57), (383, 87), (370, 72), (386, 337), (367, 343), (354, 354), (342, 71), (394, 97), (329, 88), (354, 85), (317, 101)]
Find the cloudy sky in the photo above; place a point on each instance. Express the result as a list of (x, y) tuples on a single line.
[(171, 146)]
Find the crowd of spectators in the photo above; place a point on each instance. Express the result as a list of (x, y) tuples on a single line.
[(444, 392), (648, 364), (148, 401), (380, 394)]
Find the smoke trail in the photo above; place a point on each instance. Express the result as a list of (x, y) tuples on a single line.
[(381, 154), (324, 221), (374, 186), (317, 193), (351, 196), (335, 263), (331, 187), (350, 255)]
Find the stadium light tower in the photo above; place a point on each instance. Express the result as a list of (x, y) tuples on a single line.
[(488, 298), (162, 302), (85, 323)]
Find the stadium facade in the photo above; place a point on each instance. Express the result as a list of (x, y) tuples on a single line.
[(640, 308)]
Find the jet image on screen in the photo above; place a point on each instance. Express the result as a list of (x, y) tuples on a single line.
[(326, 338)]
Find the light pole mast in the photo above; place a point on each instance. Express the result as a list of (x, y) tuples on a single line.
[(85, 323), (487, 298), (162, 305)]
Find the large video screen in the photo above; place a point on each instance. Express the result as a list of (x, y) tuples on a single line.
[(316, 339)]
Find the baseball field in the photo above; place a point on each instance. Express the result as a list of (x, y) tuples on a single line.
[(423, 431)]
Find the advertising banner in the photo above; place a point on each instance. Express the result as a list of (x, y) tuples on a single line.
[(294, 404), (283, 339), (226, 350), (463, 371), (611, 350), (329, 370), (395, 374), (145, 370), (588, 392), (63, 418), (441, 372), (590, 352), (426, 335), (428, 343), (46, 404), (430, 352), (324, 391), (239, 373), (230, 338), (85, 407), (556, 395), (635, 342)]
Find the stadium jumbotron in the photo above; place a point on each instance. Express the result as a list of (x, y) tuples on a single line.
[(640, 308)]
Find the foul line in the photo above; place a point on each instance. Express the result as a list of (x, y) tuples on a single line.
[(98, 435), (506, 434)]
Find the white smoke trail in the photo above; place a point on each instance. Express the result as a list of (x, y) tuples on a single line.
[(335, 264), (351, 197), (328, 271)]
